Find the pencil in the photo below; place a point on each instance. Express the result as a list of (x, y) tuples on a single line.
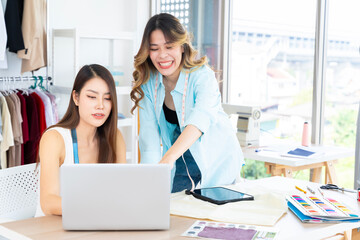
[(310, 189), (320, 191), (300, 189)]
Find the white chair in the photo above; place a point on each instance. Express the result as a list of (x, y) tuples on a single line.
[(18, 192)]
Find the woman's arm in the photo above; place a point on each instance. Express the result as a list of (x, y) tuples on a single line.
[(51, 153), (120, 148), (183, 143), (149, 135), (202, 114)]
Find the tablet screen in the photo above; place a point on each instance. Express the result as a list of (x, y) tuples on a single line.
[(221, 194)]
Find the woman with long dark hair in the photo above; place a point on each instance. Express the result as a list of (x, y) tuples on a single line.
[(91, 122), (180, 107)]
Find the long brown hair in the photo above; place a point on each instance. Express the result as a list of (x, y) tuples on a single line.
[(174, 32), (107, 132)]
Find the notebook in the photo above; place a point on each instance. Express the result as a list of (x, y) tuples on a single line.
[(303, 152), (115, 196)]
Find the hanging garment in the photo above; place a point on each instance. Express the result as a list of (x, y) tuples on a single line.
[(8, 137), (34, 32), (17, 115), (13, 18), (3, 63), (1, 125), (1, 137), (3, 4), (30, 147), (24, 125), (41, 112), (49, 116), (54, 107), (16, 129), (3, 39)]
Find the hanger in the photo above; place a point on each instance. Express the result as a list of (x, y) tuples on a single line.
[(14, 85), (34, 86), (25, 91), (6, 86), (41, 84), (2, 88)]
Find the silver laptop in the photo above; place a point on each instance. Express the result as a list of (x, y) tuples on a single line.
[(115, 196)]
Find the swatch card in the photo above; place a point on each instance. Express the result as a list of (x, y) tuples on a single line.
[(315, 206), (230, 231)]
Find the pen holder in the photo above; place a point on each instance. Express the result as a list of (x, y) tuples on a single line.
[(305, 135)]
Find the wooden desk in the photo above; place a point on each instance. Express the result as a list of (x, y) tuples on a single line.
[(277, 165), (290, 227)]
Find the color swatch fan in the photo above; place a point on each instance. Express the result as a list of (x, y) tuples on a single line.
[(321, 208)]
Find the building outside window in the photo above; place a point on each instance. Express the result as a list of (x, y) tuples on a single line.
[(342, 83)]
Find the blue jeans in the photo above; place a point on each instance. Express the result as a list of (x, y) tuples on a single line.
[(181, 178)]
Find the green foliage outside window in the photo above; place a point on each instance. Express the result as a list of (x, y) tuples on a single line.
[(344, 134)]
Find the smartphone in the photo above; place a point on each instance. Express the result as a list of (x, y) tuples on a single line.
[(219, 195)]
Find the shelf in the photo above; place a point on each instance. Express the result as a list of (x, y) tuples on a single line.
[(123, 90), (82, 40), (60, 89), (73, 32), (125, 122)]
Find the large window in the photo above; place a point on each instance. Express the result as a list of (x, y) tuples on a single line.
[(342, 81), (272, 66), (272, 61), (202, 20)]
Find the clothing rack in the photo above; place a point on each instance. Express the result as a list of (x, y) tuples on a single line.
[(47, 79)]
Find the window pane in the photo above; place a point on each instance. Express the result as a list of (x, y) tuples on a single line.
[(342, 82), (272, 60), (202, 19)]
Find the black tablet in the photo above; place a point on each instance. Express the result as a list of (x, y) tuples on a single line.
[(219, 195)]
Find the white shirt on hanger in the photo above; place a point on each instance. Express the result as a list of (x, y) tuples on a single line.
[(1, 137), (3, 39), (49, 115), (8, 137)]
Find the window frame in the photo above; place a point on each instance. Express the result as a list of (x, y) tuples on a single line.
[(319, 77), (320, 58)]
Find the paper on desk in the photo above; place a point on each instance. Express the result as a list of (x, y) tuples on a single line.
[(303, 152), (7, 234), (266, 209)]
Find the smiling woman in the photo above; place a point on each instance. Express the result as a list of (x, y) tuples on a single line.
[(166, 56), (180, 105), (86, 134)]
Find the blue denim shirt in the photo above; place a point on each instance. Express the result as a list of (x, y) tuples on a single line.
[(217, 152)]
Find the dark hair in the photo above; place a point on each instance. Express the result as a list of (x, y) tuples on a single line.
[(106, 132), (174, 32)]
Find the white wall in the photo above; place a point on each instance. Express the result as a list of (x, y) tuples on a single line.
[(97, 16), (105, 17)]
